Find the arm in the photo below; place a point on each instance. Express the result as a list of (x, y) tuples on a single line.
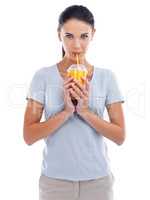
[(35, 130), (113, 130)]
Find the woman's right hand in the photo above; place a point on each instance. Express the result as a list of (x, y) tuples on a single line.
[(68, 104)]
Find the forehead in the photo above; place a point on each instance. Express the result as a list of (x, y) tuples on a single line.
[(76, 26)]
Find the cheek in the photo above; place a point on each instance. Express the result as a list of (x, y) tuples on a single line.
[(85, 45), (66, 44)]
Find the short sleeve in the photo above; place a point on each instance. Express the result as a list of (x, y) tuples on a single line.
[(37, 87), (113, 91)]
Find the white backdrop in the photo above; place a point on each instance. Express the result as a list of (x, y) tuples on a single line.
[(28, 41)]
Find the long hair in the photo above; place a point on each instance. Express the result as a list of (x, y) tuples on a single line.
[(63, 52)]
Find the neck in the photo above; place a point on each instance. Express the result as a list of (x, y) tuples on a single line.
[(66, 62)]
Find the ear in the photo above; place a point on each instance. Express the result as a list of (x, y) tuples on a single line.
[(59, 36), (93, 32)]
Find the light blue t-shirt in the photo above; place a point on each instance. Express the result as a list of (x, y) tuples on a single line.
[(75, 151)]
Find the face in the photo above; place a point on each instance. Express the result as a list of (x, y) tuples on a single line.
[(75, 36)]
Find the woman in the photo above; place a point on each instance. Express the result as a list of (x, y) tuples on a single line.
[(75, 161)]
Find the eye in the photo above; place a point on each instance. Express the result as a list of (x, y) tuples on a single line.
[(84, 36), (69, 36)]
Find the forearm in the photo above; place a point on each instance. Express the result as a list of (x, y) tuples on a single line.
[(37, 131), (107, 129)]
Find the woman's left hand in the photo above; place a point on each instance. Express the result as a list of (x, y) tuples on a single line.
[(81, 93)]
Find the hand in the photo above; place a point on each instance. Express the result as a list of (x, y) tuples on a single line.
[(81, 93), (69, 107)]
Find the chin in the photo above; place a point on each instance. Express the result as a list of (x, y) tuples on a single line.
[(73, 59)]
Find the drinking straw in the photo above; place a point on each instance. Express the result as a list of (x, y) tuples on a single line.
[(77, 57)]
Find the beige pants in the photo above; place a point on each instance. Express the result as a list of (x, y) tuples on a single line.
[(57, 189)]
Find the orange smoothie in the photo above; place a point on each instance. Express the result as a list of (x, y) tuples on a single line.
[(77, 71)]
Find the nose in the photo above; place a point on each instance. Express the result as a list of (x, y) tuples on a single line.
[(77, 43)]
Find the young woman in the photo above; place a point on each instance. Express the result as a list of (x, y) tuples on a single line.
[(75, 161)]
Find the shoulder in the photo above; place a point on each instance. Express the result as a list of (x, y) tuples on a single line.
[(43, 71), (104, 72)]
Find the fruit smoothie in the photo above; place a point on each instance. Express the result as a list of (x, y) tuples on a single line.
[(77, 72)]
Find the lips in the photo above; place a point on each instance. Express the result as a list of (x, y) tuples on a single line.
[(75, 53)]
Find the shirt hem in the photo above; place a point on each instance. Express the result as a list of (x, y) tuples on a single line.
[(77, 179)]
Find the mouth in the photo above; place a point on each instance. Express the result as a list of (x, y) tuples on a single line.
[(77, 53)]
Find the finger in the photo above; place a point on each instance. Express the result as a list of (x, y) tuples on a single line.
[(78, 84), (77, 90), (81, 89), (86, 81), (74, 94), (87, 84), (79, 93), (67, 94), (67, 80), (68, 85)]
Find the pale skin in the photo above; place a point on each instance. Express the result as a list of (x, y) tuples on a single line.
[(75, 36)]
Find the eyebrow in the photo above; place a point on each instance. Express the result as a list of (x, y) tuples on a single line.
[(68, 33), (72, 34)]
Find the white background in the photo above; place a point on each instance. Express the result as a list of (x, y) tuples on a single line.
[(28, 41)]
